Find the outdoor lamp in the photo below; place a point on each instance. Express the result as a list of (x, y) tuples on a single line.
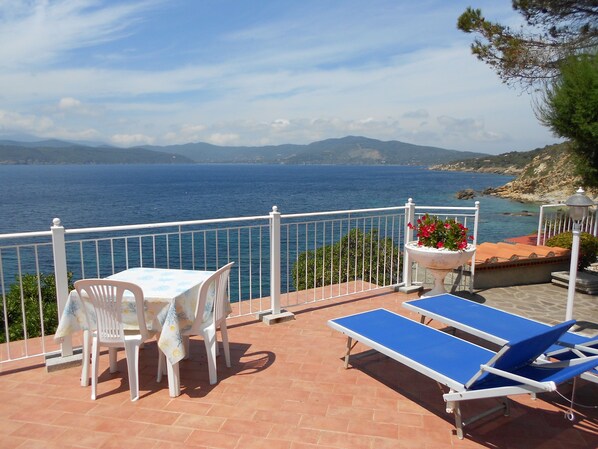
[(578, 204)]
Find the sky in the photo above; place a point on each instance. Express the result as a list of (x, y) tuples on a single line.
[(240, 72)]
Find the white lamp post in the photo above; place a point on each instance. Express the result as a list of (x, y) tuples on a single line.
[(578, 210)]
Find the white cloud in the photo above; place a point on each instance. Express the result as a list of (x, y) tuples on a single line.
[(417, 114), (68, 103), (280, 124), (28, 123), (53, 28), (223, 139), (185, 134), (128, 140)]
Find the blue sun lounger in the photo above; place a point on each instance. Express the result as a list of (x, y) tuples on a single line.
[(468, 370), (499, 327)]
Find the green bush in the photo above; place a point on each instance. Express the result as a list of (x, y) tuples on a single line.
[(588, 247), (19, 329), (356, 256)]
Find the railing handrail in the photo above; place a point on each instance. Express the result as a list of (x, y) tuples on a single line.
[(471, 208), (20, 235), (164, 225), (341, 212), (170, 224)]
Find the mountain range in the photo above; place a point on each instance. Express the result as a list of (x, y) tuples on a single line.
[(352, 150)]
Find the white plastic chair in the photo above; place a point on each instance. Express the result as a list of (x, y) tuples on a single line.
[(208, 319), (106, 296)]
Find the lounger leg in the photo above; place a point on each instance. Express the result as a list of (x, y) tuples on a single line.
[(348, 352), (458, 419)]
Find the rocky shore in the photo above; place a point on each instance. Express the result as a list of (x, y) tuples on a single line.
[(547, 179)]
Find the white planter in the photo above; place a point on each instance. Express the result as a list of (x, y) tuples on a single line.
[(438, 261)]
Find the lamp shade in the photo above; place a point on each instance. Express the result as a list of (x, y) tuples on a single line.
[(578, 204)]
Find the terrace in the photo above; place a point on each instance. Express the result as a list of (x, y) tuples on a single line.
[(287, 387)]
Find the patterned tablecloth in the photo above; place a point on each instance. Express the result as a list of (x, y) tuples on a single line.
[(170, 297)]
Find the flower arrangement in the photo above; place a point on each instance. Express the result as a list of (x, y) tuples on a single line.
[(432, 232)]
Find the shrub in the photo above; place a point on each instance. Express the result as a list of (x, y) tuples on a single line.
[(357, 255), (19, 329), (588, 247)]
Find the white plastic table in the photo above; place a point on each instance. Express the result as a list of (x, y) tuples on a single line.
[(170, 297)]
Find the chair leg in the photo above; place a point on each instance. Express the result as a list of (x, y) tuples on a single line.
[(209, 337), (112, 358), (224, 332), (95, 355), (161, 366), (85, 358), (132, 354)]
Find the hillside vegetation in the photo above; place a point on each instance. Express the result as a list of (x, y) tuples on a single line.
[(52, 153), (352, 150), (347, 150), (545, 175), (512, 163)]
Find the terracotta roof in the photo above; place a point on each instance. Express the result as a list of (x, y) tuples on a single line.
[(502, 252)]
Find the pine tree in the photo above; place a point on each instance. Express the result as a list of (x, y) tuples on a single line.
[(556, 29)]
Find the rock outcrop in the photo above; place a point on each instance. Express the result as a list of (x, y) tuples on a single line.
[(549, 178), (543, 175), (466, 194)]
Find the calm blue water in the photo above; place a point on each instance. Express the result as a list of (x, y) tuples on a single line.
[(103, 195)]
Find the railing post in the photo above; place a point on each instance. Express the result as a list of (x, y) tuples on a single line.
[(61, 277), (409, 219), (275, 314), (476, 222), (408, 286), (275, 260), (540, 226)]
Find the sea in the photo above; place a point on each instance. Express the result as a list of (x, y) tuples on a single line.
[(107, 195)]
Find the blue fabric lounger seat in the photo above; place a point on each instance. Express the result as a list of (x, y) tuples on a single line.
[(468, 370), (499, 327)]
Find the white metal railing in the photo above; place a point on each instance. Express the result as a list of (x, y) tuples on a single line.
[(554, 219), (281, 260)]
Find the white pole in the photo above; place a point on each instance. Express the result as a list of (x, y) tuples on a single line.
[(573, 269), (275, 260), (476, 223), (61, 278), (540, 224), (409, 219)]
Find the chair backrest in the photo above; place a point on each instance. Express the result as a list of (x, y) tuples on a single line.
[(212, 301), (517, 354), (106, 297)]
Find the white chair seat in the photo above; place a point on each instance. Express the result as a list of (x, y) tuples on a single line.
[(106, 296)]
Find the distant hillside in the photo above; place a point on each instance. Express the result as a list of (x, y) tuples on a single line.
[(347, 150), (57, 152), (512, 163)]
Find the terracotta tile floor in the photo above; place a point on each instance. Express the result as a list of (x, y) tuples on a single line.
[(287, 389)]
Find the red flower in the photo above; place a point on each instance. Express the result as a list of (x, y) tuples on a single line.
[(434, 232)]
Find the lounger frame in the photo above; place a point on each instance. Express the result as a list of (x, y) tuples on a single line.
[(569, 343), (459, 391)]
